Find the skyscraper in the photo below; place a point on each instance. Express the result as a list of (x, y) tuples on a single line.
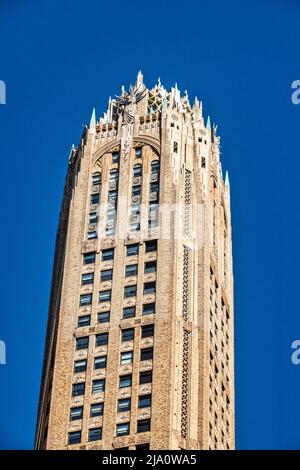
[(139, 346)]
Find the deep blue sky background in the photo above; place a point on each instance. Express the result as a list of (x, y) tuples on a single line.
[(61, 58)]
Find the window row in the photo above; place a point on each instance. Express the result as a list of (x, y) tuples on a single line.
[(131, 250), (107, 274), (100, 362), (129, 291), (128, 312), (95, 434), (98, 385), (127, 334), (97, 409)]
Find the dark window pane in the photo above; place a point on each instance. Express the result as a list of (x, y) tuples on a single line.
[(100, 362), (143, 425), (147, 330), (129, 291), (78, 389), (95, 198), (105, 296), (82, 343), (95, 434), (124, 404), (123, 429), (128, 334), (74, 437), (149, 288), (150, 267), (96, 410), (80, 365), (76, 413), (87, 278), (128, 312), (106, 275), (125, 381), (131, 270), (89, 258), (84, 320), (144, 401), (146, 377), (146, 354), (98, 386), (148, 309), (107, 254), (103, 317), (150, 245), (102, 339), (132, 249), (85, 299)]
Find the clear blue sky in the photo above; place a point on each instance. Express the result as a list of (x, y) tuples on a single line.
[(59, 59)]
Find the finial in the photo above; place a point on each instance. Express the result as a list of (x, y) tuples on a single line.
[(139, 79), (208, 126), (227, 180), (93, 119)]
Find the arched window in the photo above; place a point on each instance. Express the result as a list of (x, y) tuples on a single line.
[(137, 170), (114, 175), (96, 178), (155, 166)]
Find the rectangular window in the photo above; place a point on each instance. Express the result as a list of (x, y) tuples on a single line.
[(80, 365), (115, 157), (102, 339), (148, 309), (74, 437), (144, 401), (96, 410), (76, 413), (91, 235), (104, 296), (150, 267), (87, 278), (132, 250), (147, 330), (95, 434), (107, 254), (146, 354), (89, 258), (126, 357), (124, 404), (98, 386), (100, 362), (138, 152), (84, 320), (106, 275), (85, 299), (149, 288), (128, 312), (82, 343), (125, 381), (131, 270), (93, 217), (150, 245), (103, 317), (128, 334), (136, 190), (112, 196), (95, 198), (78, 389), (146, 377), (142, 447), (143, 425), (129, 291), (123, 429), (96, 179)]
